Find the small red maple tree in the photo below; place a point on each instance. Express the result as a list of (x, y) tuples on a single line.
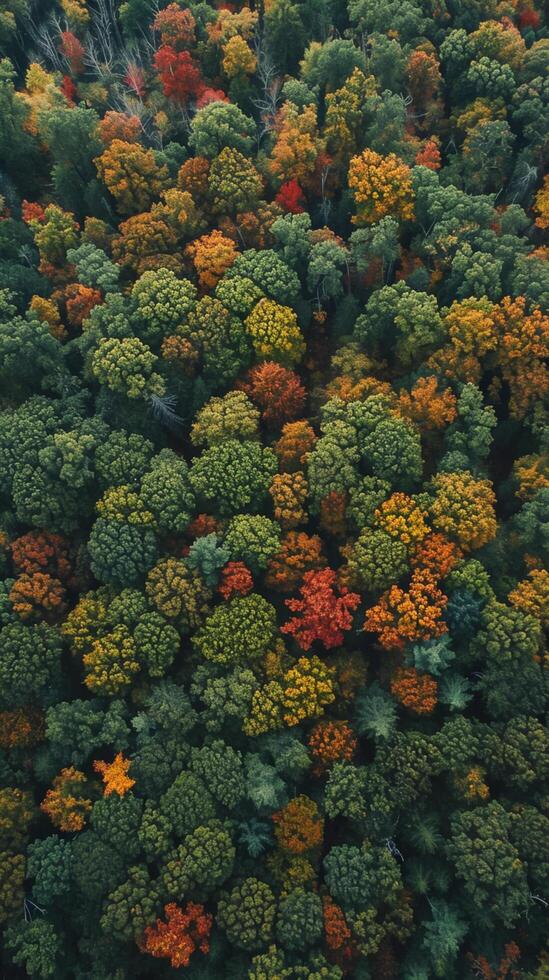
[(184, 931), (324, 615)]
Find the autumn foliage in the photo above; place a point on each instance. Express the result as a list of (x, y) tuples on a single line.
[(184, 932), (325, 611)]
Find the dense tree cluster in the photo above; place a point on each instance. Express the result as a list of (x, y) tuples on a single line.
[(274, 489)]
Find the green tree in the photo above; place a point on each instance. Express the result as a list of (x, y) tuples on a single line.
[(238, 632), (49, 864), (199, 865), (253, 539), (246, 914), (485, 860), (233, 476), (219, 126), (36, 946), (299, 920)]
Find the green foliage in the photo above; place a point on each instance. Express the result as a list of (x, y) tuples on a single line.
[(377, 560), (36, 946), (247, 913), (299, 920), (252, 539), (488, 864), (199, 865), (131, 906), (233, 476), (220, 125), (121, 554), (239, 632), (30, 664), (49, 864)]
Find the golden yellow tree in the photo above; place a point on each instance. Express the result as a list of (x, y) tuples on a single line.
[(380, 185)]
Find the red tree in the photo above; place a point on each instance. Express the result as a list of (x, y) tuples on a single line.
[(175, 26), (324, 615), (290, 197), (42, 551), (73, 51), (236, 579), (277, 391), (179, 74), (185, 931)]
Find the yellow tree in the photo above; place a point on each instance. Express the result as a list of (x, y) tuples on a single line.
[(380, 185), (345, 111), (298, 144), (212, 255), (132, 176)]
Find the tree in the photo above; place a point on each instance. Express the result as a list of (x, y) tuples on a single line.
[(253, 539), (298, 145), (30, 663), (218, 126), (115, 775), (38, 597), (298, 554), (186, 803), (49, 864), (400, 323), (346, 115), (145, 242), (238, 58), (119, 126), (380, 186), (285, 34), (299, 827), (29, 355), (212, 255), (184, 931), (175, 26), (299, 922), (463, 508), (233, 476), (275, 333), (66, 803), (328, 65), (111, 662), (127, 366), (231, 417), (277, 391), (234, 184), (202, 863), (162, 302), (325, 616), (493, 876), (247, 913), (377, 559), (237, 632), (166, 492), (289, 493), (121, 554), (132, 176), (416, 691), (178, 593), (267, 270), (411, 615), (296, 441), (131, 906), (179, 74), (331, 742), (36, 946), (72, 136)]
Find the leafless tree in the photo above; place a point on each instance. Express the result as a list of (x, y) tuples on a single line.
[(271, 85)]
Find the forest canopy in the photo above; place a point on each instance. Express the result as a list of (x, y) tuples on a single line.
[(274, 489)]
